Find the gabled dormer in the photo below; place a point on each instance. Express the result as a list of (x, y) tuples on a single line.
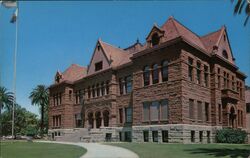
[(222, 46), (154, 38), (100, 60)]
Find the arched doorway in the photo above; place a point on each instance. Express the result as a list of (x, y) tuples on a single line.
[(98, 119), (90, 120), (106, 118), (232, 117)]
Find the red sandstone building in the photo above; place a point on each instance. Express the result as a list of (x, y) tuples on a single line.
[(176, 87)]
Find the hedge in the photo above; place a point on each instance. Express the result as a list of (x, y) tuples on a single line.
[(230, 135)]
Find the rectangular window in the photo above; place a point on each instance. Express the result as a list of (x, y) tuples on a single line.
[(225, 80), (248, 107), (165, 136), (154, 111), (201, 136), (198, 73), (145, 136), (220, 112), (155, 136), (128, 113), (199, 109), (218, 78), (121, 85), (89, 92), (164, 109), (107, 87), (207, 112), (190, 69), (102, 89), (146, 107), (206, 75), (233, 83), (98, 66), (192, 136), (191, 108), (121, 115), (128, 84)]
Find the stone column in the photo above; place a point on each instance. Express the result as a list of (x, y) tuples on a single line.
[(105, 89), (160, 75)]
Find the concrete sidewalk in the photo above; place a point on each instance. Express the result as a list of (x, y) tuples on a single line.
[(96, 150)]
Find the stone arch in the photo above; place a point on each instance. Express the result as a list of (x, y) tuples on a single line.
[(90, 119), (98, 119), (232, 117), (106, 117)]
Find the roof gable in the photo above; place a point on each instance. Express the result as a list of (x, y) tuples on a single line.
[(174, 29), (223, 44), (99, 55)]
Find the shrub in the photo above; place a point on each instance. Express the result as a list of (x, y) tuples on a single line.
[(230, 135)]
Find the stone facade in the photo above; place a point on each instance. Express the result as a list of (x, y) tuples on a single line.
[(177, 87), (247, 96)]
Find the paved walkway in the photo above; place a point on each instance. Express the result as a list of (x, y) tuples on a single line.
[(96, 150)]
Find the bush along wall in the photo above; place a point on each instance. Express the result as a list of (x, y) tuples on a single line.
[(230, 135)]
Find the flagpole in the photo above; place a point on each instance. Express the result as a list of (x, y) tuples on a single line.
[(14, 75)]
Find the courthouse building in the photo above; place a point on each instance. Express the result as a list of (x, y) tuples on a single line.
[(176, 87)]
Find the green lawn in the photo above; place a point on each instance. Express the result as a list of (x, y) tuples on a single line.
[(151, 150), (39, 150)]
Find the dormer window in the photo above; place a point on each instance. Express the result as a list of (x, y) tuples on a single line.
[(98, 66), (155, 39), (224, 54)]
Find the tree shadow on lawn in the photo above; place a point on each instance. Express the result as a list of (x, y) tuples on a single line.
[(222, 152)]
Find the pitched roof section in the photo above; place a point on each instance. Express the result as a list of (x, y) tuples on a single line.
[(174, 29), (210, 40), (73, 73), (114, 54)]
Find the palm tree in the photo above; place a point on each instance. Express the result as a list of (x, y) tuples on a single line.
[(239, 6), (6, 99), (40, 97)]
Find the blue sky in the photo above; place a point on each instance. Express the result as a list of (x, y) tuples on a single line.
[(53, 35)]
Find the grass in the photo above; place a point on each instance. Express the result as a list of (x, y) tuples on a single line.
[(151, 150), (39, 150)]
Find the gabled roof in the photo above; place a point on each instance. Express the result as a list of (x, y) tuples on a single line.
[(73, 73), (114, 54), (174, 29), (210, 40)]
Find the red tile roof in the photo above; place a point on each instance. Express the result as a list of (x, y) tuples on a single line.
[(73, 73), (174, 29), (211, 39), (114, 54)]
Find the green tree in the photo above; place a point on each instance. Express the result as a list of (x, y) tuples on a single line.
[(40, 97), (6, 99), (240, 5), (24, 122)]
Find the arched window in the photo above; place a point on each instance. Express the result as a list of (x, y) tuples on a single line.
[(155, 74), (106, 118), (164, 71), (146, 75), (224, 54), (155, 39)]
